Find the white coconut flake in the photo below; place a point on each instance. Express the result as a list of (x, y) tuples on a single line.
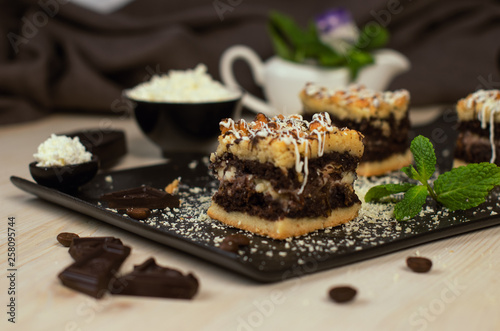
[(58, 151)]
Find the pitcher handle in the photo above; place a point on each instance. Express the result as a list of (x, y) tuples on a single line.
[(246, 54)]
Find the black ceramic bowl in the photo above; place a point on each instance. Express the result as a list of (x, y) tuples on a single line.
[(183, 126), (65, 178)]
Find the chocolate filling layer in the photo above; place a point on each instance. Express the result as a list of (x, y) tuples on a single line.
[(322, 193), (377, 145), (474, 148), (240, 196), (475, 127), (341, 162)]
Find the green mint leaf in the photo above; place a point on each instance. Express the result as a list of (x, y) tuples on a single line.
[(381, 191), (281, 47), (411, 204), (424, 156), (466, 187), (372, 36), (411, 172), (324, 54), (328, 58), (285, 35), (356, 59)]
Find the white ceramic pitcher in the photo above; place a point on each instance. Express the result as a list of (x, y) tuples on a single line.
[(283, 80)]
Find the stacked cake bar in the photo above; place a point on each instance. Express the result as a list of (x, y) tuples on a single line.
[(382, 117), (284, 176), (479, 128)]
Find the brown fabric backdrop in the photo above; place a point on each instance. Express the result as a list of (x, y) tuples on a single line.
[(57, 56)]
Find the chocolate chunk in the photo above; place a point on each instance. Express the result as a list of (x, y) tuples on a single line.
[(234, 242), (138, 213), (141, 197), (419, 264), (152, 280), (82, 247), (65, 238), (342, 294), (93, 273)]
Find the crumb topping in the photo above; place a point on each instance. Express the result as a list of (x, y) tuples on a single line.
[(288, 141), (288, 129), (355, 102), (483, 105), (279, 134)]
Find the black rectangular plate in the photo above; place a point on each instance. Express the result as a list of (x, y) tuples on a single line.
[(266, 260)]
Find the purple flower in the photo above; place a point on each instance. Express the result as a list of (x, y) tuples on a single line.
[(337, 29)]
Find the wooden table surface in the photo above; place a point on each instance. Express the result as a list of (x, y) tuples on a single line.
[(462, 291)]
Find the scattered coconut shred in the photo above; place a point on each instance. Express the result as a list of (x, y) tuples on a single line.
[(374, 226)]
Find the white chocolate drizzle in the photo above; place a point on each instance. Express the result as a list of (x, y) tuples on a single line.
[(489, 102), (290, 130)]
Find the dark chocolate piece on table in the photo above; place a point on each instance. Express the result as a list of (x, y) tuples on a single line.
[(94, 273), (141, 197), (107, 145), (152, 280), (82, 247)]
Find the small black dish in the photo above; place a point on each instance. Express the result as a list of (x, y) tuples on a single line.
[(65, 178), (176, 126)]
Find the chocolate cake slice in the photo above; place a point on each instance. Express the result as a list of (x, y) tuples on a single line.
[(479, 128), (284, 176), (382, 118)]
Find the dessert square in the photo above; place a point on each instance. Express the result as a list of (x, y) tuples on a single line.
[(478, 128), (284, 176), (382, 117)]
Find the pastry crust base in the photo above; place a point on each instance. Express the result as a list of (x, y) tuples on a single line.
[(376, 168), (283, 228)]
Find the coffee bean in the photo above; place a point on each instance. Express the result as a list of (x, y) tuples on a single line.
[(239, 239), (138, 213), (419, 264), (342, 294), (233, 242), (65, 238)]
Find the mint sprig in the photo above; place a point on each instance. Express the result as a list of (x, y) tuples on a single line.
[(293, 43), (458, 189), (412, 203), (381, 191)]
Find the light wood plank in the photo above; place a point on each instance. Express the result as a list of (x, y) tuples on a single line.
[(462, 292)]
